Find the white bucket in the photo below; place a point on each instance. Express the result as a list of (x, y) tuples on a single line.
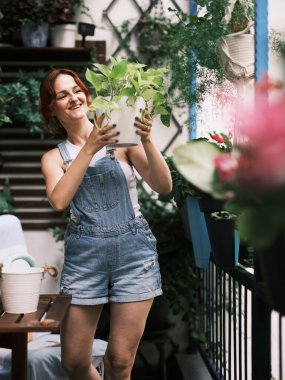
[(20, 289)]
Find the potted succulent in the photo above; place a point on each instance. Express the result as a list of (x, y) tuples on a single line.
[(124, 90)]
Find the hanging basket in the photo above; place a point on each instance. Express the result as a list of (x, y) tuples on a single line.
[(236, 54), (236, 50)]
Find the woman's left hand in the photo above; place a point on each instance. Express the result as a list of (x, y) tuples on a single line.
[(144, 126)]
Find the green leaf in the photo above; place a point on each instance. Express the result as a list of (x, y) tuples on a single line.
[(165, 119), (195, 161), (148, 94), (95, 79), (119, 70), (104, 69), (130, 91)]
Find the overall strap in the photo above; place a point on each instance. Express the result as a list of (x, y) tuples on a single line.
[(64, 152), (110, 150)]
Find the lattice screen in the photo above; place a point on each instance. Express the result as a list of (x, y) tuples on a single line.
[(115, 13)]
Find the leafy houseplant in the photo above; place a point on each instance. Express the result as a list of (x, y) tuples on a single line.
[(125, 85), (250, 178), (129, 79)]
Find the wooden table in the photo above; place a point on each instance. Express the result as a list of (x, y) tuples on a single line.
[(14, 329)]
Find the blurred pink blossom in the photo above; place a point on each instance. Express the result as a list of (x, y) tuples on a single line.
[(262, 160), (226, 166)]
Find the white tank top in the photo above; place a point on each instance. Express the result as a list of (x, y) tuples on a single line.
[(128, 170)]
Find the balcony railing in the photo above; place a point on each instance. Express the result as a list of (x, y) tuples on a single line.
[(242, 339)]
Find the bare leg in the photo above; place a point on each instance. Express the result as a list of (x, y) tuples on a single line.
[(77, 334), (127, 325)]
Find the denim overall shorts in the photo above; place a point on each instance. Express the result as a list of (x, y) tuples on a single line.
[(109, 254)]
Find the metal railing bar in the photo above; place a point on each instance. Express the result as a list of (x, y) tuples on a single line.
[(224, 328), (245, 334), (240, 361), (230, 328), (235, 329)]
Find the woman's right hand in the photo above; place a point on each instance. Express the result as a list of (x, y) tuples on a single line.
[(101, 136)]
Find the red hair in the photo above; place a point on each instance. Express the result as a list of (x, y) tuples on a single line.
[(48, 95)]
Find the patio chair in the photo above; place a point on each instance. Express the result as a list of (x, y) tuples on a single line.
[(12, 242)]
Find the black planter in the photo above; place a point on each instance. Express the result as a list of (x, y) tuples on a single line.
[(271, 263), (223, 237)]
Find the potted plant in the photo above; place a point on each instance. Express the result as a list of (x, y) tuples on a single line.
[(124, 90), (251, 180), (31, 17), (62, 21), (34, 17), (224, 246)]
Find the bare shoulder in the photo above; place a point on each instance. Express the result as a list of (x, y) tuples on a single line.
[(52, 157)]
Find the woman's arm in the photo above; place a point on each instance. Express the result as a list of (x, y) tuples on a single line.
[(148, 161), (60, 185)]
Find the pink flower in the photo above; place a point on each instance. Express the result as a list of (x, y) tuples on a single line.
[(226, 167), (263, 153)]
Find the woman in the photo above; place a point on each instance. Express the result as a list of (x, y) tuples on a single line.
[(110, 252)]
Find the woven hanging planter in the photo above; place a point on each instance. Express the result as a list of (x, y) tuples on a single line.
[(236, 51)]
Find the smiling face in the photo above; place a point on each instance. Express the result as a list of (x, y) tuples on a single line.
[(70, 100)]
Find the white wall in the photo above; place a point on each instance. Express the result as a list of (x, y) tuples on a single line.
[(42, 246)]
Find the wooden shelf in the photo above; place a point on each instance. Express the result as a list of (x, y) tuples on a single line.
[(15, 58)]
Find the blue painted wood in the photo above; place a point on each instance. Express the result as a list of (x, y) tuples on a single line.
[(198, 232), (261, 38), (193, 107)]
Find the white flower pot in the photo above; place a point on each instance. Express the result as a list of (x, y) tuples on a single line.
[(20, 289), (124, 118), (63, 35)]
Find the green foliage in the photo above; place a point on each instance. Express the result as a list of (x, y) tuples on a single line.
[(175, 254), (187, 46), (23, 106), (277, 41), (181, 187), (5, 202), (4, 119), (155, 38), (18, 12), (129, 79)]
